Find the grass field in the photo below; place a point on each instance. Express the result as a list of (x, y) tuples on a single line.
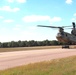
[(27, 48), (65, 66)]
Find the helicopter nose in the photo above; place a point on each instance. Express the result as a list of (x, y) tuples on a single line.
[(59, 35)]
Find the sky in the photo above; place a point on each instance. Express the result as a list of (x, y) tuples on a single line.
[(19, 18)]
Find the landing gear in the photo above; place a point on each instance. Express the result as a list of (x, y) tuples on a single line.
[(65, 46)]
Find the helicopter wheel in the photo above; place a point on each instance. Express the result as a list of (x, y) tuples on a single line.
[(65, 46)]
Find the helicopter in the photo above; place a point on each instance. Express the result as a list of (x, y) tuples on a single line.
[(65, 37)]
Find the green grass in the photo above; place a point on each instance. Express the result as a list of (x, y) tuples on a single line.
[(65, 66), (27, 48)]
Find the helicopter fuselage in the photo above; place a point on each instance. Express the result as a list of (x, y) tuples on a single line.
[(66, 38)]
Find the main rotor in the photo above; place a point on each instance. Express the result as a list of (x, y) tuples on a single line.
[(61, 29)]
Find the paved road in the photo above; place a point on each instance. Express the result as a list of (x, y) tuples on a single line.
[(17, 58)]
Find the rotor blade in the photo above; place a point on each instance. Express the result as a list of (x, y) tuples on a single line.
[(66, 26), (47, 26)]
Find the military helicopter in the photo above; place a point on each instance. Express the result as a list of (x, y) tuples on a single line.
[(65, 37)]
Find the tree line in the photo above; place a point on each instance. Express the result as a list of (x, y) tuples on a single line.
[(30, 43)]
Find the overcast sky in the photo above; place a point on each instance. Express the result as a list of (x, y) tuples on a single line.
[(19, 18)]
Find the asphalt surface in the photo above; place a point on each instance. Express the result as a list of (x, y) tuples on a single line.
[(18, 58)]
